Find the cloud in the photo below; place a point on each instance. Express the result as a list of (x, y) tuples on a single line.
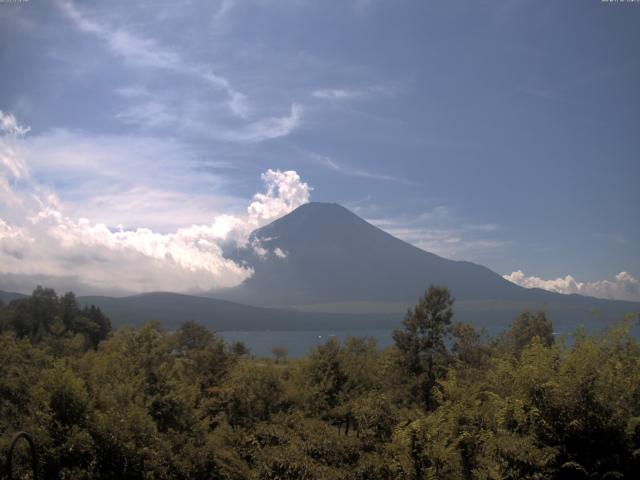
[(156, 111), (623, 287), (355, 172), (12, 169), (225, 7), (280, 253), (162, 111), (266, 128), (139, 260), (39, 240), (285, 192), (10, 130), (191, 258), (151, 114), (105, 178), (336, 94), (353, 93), (439, 231), (145, 52), (9, 125)]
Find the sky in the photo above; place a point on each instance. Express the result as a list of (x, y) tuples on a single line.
[(137, 139)]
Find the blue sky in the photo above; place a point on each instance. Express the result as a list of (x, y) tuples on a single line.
[(502, 132)]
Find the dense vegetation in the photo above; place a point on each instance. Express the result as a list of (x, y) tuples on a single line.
[(445, 402)]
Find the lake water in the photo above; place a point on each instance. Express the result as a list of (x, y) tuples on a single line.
[(299, 343)]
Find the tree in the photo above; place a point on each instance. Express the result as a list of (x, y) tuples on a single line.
[(468, 346), (68, 310), (239, 349), (151, 403), (192, 336), (422, 342), (527, 326), (280, 353), (325, 377), (253, 394), (44, 315), (33, 316), (93, 324)]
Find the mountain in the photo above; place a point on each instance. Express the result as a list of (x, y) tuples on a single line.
[(331, 260), (332, 255), (172, 309), (6, 297), (321, 267)]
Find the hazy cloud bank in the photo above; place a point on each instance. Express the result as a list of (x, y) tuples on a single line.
[(623, 287), (37, 238)]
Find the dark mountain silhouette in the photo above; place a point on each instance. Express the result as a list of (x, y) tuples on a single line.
[(331, 260), (332, 255), (336, 260), (6, 297), (172, 309)]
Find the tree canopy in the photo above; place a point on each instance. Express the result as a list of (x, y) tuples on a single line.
[(444, 402)]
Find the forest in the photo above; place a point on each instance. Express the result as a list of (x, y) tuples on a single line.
[(444, 402)]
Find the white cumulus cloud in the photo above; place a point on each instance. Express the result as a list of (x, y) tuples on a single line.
[(39, 240), (285, 192), (623, 287)]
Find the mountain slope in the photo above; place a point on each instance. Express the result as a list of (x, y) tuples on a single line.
[(339, 272), (337, 262), (6, 297), (332, 255), (172, 309)]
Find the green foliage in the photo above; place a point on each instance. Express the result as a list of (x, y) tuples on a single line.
[(422, 342), (56, 320), (280, 353), (444, 402), (528, 326), (253, 392)]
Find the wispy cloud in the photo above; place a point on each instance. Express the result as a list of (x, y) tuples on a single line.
[(224, 8), (40, 239), (266, 128), (9, 125), (336, 94), (623, 287), (439, 231), (151, 114), (355, 172), (155, 111), (146, 52), (10, 129), (352, 93)]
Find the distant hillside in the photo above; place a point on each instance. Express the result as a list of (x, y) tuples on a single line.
[(332, 255), (331, 260), (335, 271), (172, 309), (8, 296)]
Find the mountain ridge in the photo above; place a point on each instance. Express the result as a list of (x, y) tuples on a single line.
[(336, 271), (325, 242)]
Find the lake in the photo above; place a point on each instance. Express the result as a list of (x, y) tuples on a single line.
[(299, 343)]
